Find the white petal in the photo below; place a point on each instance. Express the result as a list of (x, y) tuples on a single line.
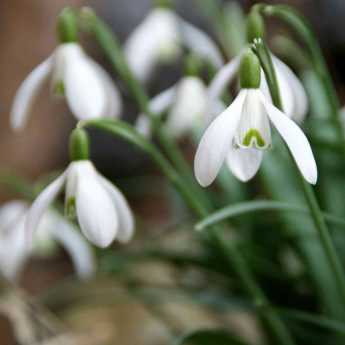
[(126, 219), (80, 251), (27, 93), (296, 141), (221, 80), (189, 108), (244, 163), (254, 118), (300, 108), (158, 105), (96, 212), (200, 43), (157, 38), (41, 204), (85, 91), (114, 101), (14, 250), (11, 212), (216, 141)]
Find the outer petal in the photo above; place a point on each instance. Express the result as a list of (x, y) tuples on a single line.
[(189, 108), (85, 90), (244, 163), (27, 93), (114, 101), (158, 105), (96, 212), (296, 141), (126, 219), (155, 39), (13, 250), (42, 203), (223, 78), (300, 108), (216, 141), (77, 247), (200, 43)]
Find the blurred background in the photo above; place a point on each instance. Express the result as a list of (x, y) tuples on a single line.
[(27, 33)]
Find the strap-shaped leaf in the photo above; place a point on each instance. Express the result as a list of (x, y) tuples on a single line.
[(209, 337)]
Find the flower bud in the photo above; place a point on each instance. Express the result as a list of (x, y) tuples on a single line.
[(67, 27), (255, 26), (250, 71), (79, 145)]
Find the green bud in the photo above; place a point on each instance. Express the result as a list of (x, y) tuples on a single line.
[(67, 27), (164, 3), (250, 71), (192, 65), (255, 26), (79, 145)]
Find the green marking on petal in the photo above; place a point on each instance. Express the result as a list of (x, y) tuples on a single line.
[(253, 134), (70, 209), (59, 88)]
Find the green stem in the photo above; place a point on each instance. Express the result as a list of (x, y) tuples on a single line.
[(303, 29), (314, 207), (228, 249)]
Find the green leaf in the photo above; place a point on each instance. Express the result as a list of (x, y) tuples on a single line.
[(209, 337), (259, 205)]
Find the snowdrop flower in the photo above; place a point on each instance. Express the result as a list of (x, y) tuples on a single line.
[(295, 101), (161, 38), (242, 133), (186, 103), (101, 210), (88, 89), (14, 251)]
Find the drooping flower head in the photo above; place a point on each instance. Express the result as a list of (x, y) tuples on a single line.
[(161, 37), (86, 86), (295, 101), (242, 133), (101, 209), (186, 104), (14, 251)]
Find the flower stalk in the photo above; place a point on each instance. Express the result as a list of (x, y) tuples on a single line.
[(230, 252), (314, 207)]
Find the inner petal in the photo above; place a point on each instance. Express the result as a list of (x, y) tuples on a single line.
[(254, 129)]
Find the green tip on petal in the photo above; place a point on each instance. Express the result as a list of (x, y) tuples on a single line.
[(70, 208), (79, 145), (250, 71), (59, 88), (67, 26), (253, 135)]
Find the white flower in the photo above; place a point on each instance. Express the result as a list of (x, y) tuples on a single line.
[(242, 133), (14, 251), (88, 89), (186, 103), (102, 211), (295, 100), (161, 38)]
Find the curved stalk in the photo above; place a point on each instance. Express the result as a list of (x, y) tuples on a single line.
[(334, 262)]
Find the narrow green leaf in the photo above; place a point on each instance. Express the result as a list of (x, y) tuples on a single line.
[(259, 205), (209, 337)]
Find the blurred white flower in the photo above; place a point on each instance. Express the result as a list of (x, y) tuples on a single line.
[(14, 251), (242, 133), (101, 210), (295, 100), (161, 37), (88, 89), (186, 104)]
